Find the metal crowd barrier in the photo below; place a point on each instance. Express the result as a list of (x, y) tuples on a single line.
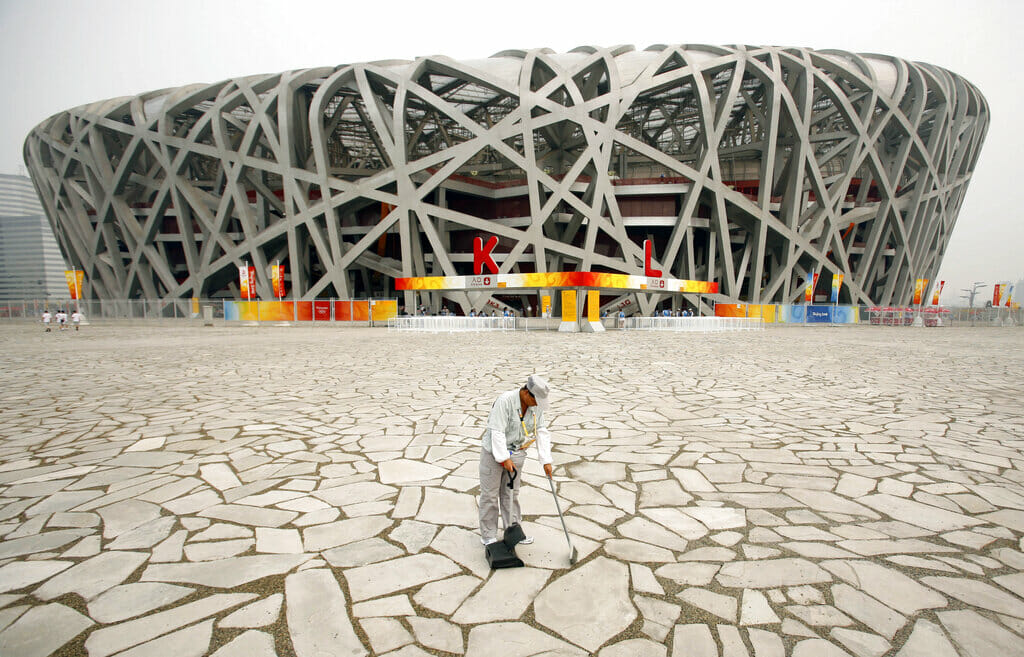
[(451, 324), (694, 324)]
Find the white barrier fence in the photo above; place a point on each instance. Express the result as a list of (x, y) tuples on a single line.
[(694, 324), (451, 324)]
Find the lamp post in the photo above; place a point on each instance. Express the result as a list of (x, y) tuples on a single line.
[(970, 297)]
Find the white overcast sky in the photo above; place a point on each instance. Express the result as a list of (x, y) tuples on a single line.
[(57, 54)]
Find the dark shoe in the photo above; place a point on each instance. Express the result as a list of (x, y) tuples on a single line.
[(513, 534)]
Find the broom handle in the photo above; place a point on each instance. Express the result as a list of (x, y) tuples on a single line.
[(559, 507)]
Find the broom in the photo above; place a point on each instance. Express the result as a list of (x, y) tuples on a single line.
[(572, 548)]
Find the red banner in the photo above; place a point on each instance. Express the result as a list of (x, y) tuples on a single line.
[(322, 311), (938, 291), (997, 294)]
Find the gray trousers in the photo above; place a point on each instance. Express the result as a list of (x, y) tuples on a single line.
[(495, 494)]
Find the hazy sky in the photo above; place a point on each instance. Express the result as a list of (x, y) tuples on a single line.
[(59, 54)]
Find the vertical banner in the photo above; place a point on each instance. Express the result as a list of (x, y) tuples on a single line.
[(919, 285), (277, 278), (568, 305), (837, 283), (812, 282), (195, 306), (938, 291), (243, 281), (545, 305), (593, 306), (247, 281), (997, 294), (74, 279), (1009, 296)]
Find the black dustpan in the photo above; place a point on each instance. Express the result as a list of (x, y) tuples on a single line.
[(500, 555)]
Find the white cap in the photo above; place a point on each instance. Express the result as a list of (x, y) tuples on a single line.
[(539, 388)]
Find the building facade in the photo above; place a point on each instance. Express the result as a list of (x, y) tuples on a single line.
[(752, 167), (31, 265)]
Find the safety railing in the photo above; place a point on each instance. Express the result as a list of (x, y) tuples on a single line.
[(451, 323), (694, 324)]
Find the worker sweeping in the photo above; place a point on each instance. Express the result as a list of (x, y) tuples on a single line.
[(516, 421)]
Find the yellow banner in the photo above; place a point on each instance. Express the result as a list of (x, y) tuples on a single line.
[(593, 303), (545, 305), (568, 305), (74, 279), (384, 310)]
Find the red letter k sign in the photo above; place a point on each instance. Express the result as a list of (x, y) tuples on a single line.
[(648, 254), (482, 255)]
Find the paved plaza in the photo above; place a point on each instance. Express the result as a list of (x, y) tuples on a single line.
[(175, 490)]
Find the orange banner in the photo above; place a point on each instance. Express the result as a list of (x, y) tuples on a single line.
[(730, 310), (938, 291), (384, 309), (305, 311), (74, 279), (544, 280), (919, 285), (277, 279)]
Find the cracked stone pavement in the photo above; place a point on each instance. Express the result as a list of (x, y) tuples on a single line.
[(188, 491)]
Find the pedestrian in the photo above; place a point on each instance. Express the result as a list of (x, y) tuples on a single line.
[(515, 421), (76, 319), (62, 319), (46, 320)]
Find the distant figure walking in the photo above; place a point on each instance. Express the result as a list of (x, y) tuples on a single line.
[(76, 319), (62, 319), (46, 320)]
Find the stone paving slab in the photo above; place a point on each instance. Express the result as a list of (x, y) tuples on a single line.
[(309, 491)]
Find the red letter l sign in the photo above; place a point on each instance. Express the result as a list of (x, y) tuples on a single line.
[(648, 254)]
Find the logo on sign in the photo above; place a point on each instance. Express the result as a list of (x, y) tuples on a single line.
[(482, 255), (481, 281), (656, 282)]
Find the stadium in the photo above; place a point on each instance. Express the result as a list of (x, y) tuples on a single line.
[(752, 168)]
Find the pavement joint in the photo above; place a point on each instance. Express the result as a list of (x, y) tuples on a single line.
[(234, 491)]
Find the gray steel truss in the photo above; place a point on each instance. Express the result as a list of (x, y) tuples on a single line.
[(750, 166)]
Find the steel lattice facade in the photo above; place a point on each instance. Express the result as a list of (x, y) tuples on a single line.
[(749, 166)]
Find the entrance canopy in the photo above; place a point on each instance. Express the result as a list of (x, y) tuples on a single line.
[(560, 279)]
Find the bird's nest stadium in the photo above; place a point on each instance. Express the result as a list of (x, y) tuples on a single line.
[(749, 167)]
